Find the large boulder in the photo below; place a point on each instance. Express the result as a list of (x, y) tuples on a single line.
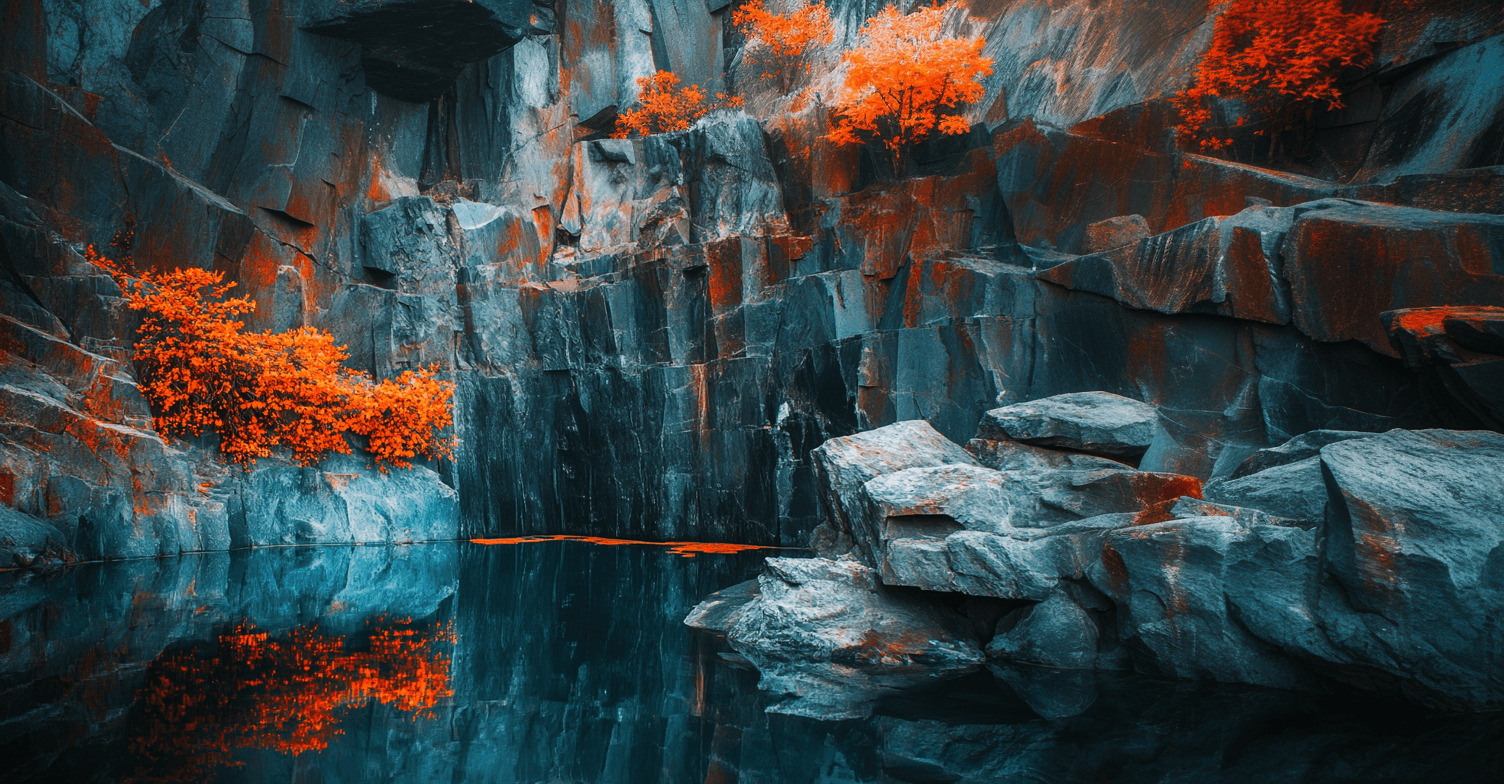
[(1414, 534), (1182, 588), (1463, 347), (830, 638), (1098, 423), (844, 465)]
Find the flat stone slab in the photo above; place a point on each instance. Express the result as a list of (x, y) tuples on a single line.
[(1098, 423)]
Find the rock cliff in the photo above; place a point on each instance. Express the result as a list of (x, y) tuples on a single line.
[(650, 336)]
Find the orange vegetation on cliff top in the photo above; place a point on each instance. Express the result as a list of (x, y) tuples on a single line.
[(1280, 57), (202, 371), (287, 695), (903, 84), (665, 106), (780, 41)]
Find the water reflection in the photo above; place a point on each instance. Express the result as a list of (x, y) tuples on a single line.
[(290, 694), (566, 661)]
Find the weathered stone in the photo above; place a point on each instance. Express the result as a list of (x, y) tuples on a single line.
[(1097, 423), (1409, 258), (1056, 633), (1301, 447), (1291, 490), (1181, 586), (828, 636), (843, 466), (1115, 233), (1460, 346), (1026, 564), (1227, 266), (414, 49), (1413, 534), (27, 541), (345, 501)]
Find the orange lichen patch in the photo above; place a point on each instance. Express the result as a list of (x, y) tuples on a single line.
[(1156, 513), (685, 549), (287, 694)]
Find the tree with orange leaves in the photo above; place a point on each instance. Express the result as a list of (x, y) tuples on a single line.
[(1281, 58), (260, 391), (905, 82), (781, 40), (664, 106)]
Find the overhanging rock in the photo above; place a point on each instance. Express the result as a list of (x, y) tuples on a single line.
[(413, 50)]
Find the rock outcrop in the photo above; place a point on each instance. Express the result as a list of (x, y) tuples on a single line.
[(1370, 560)]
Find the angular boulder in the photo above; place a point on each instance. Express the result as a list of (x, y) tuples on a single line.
[(1414, 534), (1098, 423), (1115, 233), (1348, 262), (1462, 347), (1292, 490), (1226, 266), (344, 501), (828, 636), (1182, 587), (1055, 633), (844, 465)]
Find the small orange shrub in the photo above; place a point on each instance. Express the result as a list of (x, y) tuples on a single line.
[(781, 40), (901, 82), (1281, 57), (667, 107), (200, 370)]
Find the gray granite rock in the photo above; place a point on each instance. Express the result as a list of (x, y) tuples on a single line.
[(1099, 423)]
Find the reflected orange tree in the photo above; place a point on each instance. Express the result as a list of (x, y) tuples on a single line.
[(287, 694)]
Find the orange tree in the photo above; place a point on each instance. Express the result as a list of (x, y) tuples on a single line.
[(664, 106), (904, 83), (781, 40), (1281, 58), (200, 371)]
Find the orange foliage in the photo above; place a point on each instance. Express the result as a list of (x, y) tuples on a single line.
[(782, 40), (202, 371), (1279, 57), (901, 82), (667, 107), (287, 694)]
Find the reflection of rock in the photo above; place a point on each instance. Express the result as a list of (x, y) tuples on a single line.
[(831, 638)]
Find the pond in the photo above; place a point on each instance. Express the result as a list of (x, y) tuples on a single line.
[(566, 661)]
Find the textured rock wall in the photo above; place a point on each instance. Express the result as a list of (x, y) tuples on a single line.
[(649, 336)]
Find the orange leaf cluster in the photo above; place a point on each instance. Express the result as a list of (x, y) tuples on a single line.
[(200, 370), (287, 695), (667, 107), (781, 40), (900, 83), (1278, 56)]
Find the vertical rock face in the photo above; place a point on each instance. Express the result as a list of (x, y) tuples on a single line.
[(651, 335)]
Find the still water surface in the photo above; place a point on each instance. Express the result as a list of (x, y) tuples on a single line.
[(566, 661)]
